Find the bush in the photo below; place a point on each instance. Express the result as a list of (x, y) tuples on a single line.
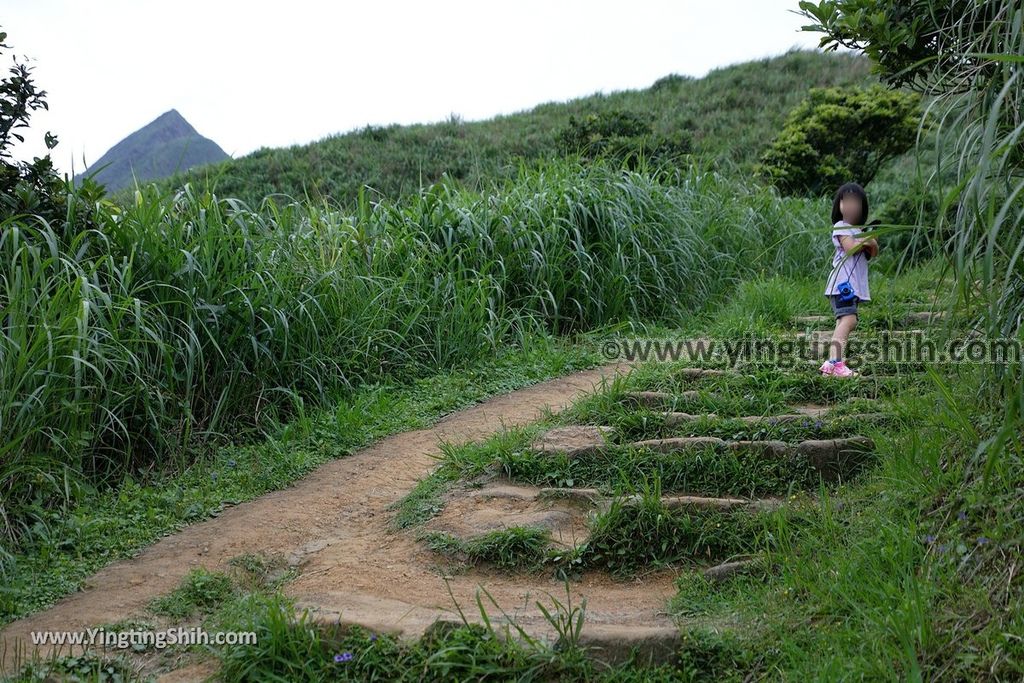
[(24, 187), (34, 187), (623, 136), (917, 206), (837, 135)]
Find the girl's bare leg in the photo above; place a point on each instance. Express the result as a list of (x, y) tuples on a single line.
[(844, 325)]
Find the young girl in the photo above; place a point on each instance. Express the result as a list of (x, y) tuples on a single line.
[(849, 265)]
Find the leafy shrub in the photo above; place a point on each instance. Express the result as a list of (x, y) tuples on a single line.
[(916, 206), (24, 186), (670, 82), (620, 135), (34, 187), (837, 135)]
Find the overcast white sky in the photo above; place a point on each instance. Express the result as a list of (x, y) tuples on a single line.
[(253, 74)]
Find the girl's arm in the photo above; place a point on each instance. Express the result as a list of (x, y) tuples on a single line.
[(850, 243)]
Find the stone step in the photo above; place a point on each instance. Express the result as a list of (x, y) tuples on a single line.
[(814, 319), (709, 502), (673, 419), (573, 440), (697, 373), (659, 399), (593, 498), (585, 496), (343, 609), (614, 644), (504, 491), (677, 444), (501, 504), (911, 318), (698, 502), (918, 317), (830, 457), (826, 335), (605, 642)]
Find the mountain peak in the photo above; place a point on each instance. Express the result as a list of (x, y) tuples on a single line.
[(164, 146)]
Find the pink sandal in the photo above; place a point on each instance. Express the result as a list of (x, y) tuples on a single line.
[(839, 368)]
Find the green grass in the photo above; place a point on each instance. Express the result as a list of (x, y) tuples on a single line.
[(713, 473), (200, 591), (510, 548), (89, 666), (626, 539)]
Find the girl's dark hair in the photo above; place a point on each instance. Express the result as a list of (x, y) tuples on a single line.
[(850, 188)]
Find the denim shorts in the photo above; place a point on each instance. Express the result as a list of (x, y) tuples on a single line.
[(843, 309)]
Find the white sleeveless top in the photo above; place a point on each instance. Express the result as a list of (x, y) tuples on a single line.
[(853, 268)]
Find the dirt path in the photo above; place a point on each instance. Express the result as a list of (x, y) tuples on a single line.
[(335, 522)]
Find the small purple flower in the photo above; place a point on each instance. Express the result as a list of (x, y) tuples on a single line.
[(343, 657), (982, 540), (942, 548), (961, 515), (817, 424), (373, 637), (231, 463), (929, 538)]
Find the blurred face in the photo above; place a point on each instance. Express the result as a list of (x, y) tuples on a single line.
[(851, 207)]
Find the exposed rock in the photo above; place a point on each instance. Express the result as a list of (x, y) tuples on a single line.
[(587, 496), (696, 373), (774, 419), (680, 443), (573, 440), (721, 572), (701, 502), (659, 399), (766, 504), (917, 317), (835, 457), (863, 417), (813, 319), (773, 448), (614, 644), (509, 491), (344, 609), (673, 419), (811, 410)]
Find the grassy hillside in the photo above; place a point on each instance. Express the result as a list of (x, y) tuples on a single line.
[(732, 114)]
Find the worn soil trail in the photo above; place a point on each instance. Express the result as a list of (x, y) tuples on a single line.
[(336, 526)]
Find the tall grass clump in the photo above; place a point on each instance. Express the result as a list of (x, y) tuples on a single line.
[(185, 316)]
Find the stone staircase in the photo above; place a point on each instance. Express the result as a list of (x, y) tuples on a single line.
[(567, 511)]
